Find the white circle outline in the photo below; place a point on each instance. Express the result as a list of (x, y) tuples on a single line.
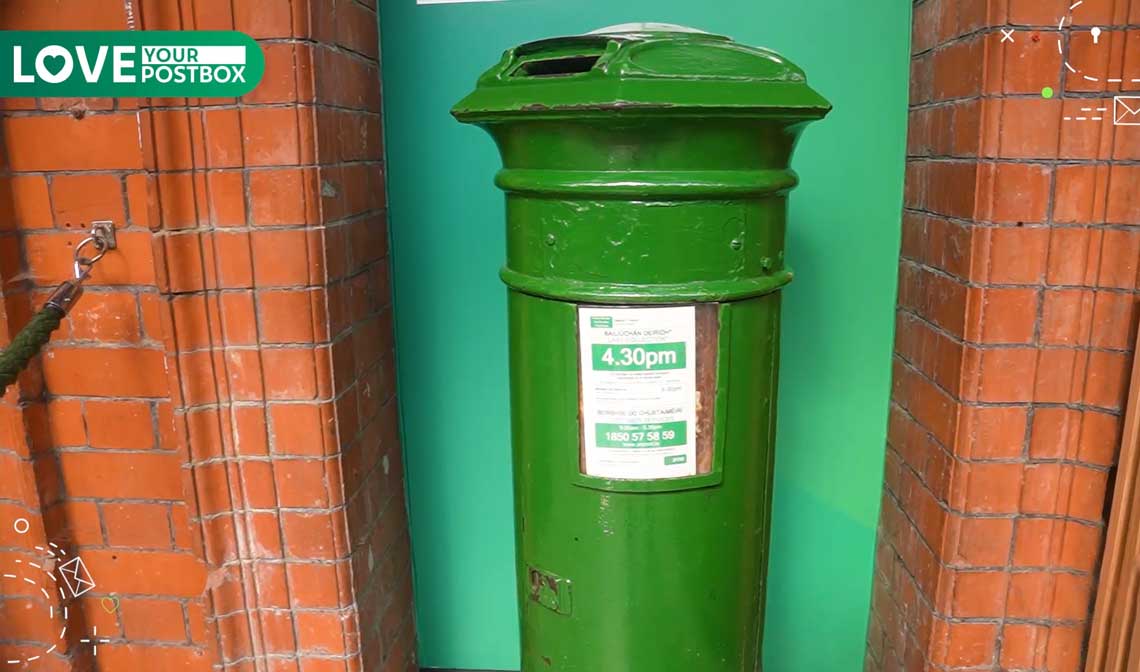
[(16, 525), (1061, 50)]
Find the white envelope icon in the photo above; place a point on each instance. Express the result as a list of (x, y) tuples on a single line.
[(1126, 110), (76, 577)]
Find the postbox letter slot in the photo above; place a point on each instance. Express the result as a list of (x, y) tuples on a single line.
[(557, 67)]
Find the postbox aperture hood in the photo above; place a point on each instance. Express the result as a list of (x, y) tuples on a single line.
[(641, 69)]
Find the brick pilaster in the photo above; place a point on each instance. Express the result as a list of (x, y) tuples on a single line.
[(216, 424), (1015, 328)]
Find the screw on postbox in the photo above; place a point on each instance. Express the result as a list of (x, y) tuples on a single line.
[(646, 171)]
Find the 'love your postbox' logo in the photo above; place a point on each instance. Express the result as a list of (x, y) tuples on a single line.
[(128, 63)]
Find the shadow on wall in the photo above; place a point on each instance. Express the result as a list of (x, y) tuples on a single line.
[(34, 490)]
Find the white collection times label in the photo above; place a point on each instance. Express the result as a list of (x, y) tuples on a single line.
[(639, 418)]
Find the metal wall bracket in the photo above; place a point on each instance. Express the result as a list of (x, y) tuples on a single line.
[(104, 234)]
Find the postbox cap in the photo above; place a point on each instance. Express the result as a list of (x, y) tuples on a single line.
[(641, 68)]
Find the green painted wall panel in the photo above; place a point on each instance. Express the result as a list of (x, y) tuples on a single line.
[(448, 244)]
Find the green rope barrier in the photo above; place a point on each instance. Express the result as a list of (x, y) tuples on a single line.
[(27, 344), (37, 332)]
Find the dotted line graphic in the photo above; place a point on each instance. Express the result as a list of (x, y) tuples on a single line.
[(21, 574), (1099, 116), (83, 584)]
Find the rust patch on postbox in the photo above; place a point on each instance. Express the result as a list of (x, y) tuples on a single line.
[(708, 332)]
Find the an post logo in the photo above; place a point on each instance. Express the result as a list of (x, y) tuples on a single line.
[(205, 64)]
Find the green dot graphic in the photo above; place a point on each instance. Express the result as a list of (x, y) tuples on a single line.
[(1047, 92)]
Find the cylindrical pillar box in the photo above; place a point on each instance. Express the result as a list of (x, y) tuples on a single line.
[(646, 173)]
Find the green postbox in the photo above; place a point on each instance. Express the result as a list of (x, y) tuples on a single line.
[(646, 169)]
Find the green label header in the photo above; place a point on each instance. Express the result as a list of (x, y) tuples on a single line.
[(136, 64), (643, 357)]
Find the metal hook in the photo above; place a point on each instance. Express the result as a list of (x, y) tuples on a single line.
[(82, 265), (102, 236)]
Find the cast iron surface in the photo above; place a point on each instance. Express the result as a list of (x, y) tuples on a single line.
[(642, 168), (665, 581)]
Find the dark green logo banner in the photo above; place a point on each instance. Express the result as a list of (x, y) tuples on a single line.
[(207, 64)]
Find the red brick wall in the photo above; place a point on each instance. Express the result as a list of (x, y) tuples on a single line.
[(214, 429), (1017, 313)]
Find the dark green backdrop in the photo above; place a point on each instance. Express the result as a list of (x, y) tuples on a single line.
[(447, 235)]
